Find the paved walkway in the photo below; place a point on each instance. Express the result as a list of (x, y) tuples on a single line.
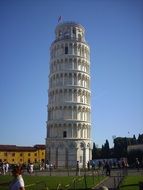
[(108, 182), (111, 182)]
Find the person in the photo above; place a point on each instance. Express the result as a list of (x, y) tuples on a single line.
[(3, 168), (88, 165), (77, 169), (6, 167), (137, 164), (17, 182), (108, 169), (31, 168)]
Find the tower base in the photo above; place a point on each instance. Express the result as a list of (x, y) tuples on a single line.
[(66, 153)]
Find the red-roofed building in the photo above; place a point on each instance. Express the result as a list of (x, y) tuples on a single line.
[(22, 154)]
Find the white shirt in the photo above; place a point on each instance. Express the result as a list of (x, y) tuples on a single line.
[(17, 183), (31, 168)]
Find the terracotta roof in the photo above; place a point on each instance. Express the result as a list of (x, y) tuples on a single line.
[(20, 148), (40, 146), (7, 147)]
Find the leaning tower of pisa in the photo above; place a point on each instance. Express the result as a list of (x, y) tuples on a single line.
[(69, 125)]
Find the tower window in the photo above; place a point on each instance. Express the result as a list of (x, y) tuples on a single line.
[(60, 33), (66, 50), (79, 37), (74, 31), (80, 159), (64, 134), (13, 154)]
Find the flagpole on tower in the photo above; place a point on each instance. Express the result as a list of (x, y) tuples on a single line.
[(59, 19)]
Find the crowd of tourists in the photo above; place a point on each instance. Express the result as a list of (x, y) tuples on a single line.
[(107, 164), (5, 167)]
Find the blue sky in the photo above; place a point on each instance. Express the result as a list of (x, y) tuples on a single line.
[(114, 31)]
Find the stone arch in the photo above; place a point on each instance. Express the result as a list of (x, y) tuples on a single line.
[(82, 145), (79, 37), (75, 64), (78, 49), (79, 79), (79, 64), (70, 48), (62, 48), (75, 48)]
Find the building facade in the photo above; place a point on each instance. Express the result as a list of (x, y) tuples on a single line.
[(22, 154), (136, 147), (69, 123)]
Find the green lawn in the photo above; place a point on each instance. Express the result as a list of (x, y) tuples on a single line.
[(52, 182), (131, 183)]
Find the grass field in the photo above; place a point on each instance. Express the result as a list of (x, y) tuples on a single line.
[(131, 183), (53, 182)]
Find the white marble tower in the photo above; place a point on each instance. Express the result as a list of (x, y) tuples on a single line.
[(69, 124)]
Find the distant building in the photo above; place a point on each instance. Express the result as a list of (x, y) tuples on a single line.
[(137, 147), (69, 112), (22, 154)]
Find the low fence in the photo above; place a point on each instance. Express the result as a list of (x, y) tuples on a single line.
[(74, 184), (81, 180), (119, 178), (63, 172)]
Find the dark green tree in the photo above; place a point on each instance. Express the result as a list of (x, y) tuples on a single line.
[(120, 146), (134, 140), (105, 150), (140, 139), (94, 150)]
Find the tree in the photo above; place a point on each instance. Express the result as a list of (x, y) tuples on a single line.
[(106, 150), (140, 139), (120, 146), (96, 152), (134, 140)]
